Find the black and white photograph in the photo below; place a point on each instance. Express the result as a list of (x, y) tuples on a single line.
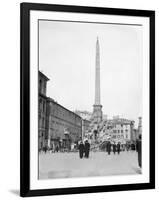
[(90, 99), (87, 99)]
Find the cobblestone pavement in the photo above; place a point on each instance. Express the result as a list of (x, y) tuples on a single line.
[(67, 165)]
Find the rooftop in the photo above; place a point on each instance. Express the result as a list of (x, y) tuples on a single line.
[(44, 76)]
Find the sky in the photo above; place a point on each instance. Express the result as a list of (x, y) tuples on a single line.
[(67, 56)]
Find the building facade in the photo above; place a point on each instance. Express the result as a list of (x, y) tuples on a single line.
[(85, 128), (86, 117), (58, 127), (84, 114), (122, 130), (117, 130), (42, 99), (64, 127)]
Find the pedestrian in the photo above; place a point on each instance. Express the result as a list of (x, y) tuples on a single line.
[(81, 149), (127, 147), (114, 148), (132, 146), (86, 149), (45, 149), (108, 147), (139, 148), (57, 148), (118, 148)]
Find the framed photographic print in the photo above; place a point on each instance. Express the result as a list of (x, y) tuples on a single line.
[(87, 99)]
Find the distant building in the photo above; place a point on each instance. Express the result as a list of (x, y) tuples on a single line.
[(115, 117), (42, 140), (85, 128), (122, 129), (84, 114), (116, 129), (105, 117)]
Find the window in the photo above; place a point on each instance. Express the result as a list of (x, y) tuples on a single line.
[(43, 106), (40, 104), (40, 85)]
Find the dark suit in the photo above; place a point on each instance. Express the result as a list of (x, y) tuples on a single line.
[(109, 147), (87, 149), (81, 150), (118, 148), (114, 148)]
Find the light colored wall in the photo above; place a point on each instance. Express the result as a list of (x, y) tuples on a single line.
[(61, 119)]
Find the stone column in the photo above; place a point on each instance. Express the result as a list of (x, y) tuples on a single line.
[(97, 75), (97, 107)]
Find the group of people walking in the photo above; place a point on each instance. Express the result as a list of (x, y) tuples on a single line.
[(84, 149), (116, 147)]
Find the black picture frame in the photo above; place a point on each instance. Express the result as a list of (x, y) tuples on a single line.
[(25, 9)]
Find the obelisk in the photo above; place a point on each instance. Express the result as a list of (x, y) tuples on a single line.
[(97, 107)]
